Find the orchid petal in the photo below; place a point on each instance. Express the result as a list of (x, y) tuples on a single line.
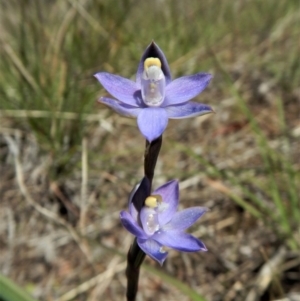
[(185, 88), (183, 219), (132, 209), (187, 110), (179, 241), (153, 249), (152, 122), (133, 212), (131, 225), (139, 194), (153, 51), (120, 108), (121, 88), (170, 196)]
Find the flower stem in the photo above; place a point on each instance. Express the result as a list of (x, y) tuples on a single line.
[(151, 154), (135, 256)]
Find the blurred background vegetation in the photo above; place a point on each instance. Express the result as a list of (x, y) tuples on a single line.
[(68, 163)]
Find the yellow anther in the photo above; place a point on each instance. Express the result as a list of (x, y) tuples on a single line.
[(152, 61), (153, 201)]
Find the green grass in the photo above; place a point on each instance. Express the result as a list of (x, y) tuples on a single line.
[(51, 49), (11, 292)]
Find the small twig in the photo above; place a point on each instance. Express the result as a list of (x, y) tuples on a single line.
[(84, 181), (109, 273), (45, 212), (101, 286), (266, 275), (66, 202), (47, 114), (290, 297), (11, 235)]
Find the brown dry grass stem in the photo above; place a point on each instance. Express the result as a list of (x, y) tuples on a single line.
[(104, 278), (14, 148)]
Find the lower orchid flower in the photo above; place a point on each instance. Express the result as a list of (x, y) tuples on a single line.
[(159, 225)]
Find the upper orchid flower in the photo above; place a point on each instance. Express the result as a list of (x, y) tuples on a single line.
[(158, 225), (154, 97)]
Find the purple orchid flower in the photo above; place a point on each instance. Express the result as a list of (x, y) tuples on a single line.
[(154, 97), (158, 225)]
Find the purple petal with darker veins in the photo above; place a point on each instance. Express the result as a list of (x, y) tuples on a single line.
[(185, 88), (121, 88), (120, 108), (187, 110), (154, 51), (153, 249), (131, 225), (152, 122), (183, 219), (179, 241), (170, 197)]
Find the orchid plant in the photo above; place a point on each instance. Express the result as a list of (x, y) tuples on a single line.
[(152, 217)]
